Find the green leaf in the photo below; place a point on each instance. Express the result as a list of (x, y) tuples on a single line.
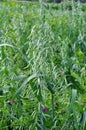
[(74, 95), (83, 119), (25, 83), (1, 45)]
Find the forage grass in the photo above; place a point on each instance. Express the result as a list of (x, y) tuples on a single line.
[(42, 70)]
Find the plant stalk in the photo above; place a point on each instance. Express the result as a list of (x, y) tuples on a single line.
[(41, 113), (52, 109)]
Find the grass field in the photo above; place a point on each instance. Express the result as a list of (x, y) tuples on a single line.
[(42, 66)]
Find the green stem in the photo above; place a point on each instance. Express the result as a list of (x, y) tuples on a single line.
[(52, 109), (41, 113)]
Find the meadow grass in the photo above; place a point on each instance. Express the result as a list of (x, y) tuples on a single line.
[(43, 66)]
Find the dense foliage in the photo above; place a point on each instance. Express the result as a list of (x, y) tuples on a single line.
[(42, 66)]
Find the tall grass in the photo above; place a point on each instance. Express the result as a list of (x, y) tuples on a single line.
[(43, 78)]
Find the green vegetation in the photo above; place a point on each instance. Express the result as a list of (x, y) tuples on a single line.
[(42, 66)]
